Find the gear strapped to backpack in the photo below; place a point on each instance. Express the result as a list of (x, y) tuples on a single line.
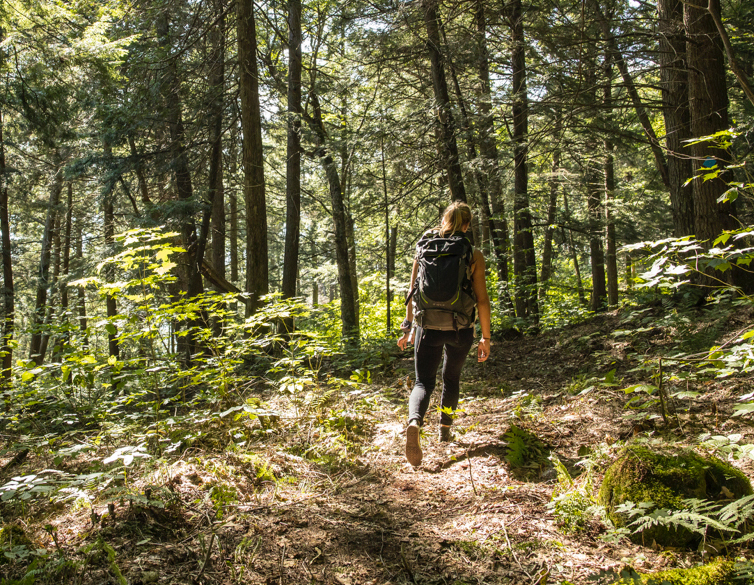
[(442, 294)]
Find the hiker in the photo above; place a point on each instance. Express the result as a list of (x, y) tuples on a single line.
[(447, 266)]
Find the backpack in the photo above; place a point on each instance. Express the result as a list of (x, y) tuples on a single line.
[(442, 295)]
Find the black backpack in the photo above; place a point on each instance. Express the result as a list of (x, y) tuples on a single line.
[(442, 295)]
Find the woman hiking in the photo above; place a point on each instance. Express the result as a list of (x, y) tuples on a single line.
[(447, 283)]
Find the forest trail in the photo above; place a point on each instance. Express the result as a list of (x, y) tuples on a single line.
[(325, 495)]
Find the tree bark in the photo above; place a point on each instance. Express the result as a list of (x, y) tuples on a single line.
[(64, 301), (675, 109), (551, 212), (448, 145), (43, 280), (215, 179), (170, 88), (349, 315), (708, 100), (611, 264), (714, 10), (257, 271), (108, 205), (54, 300), (574, 253), (596, 229), (293, 153), (81, 292), (489, 155), (524, 259), (233, 204), (9, 309)]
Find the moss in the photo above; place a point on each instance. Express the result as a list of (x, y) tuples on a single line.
[(667, 478), (718, 572), (13, 535)]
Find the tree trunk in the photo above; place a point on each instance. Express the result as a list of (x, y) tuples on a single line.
[(611, 260), (9, 297), (708, 99), (80, 290), (489, 156), (448, 146), (293, 154), (574, 253), (596, 214), (170, 88), (64, 302), (139, 170), (109, 231), (388, 239), (54, 300), (551, 211), (232, 198), (215, 179), (675, 109), (43, 281), (524, 259), (257, 271), (349, 314)]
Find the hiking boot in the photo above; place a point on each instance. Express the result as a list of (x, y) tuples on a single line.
[(445, 435), (413, 450)]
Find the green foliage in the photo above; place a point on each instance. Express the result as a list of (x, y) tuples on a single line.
[(524, 449), (222, 495), (572, 503)]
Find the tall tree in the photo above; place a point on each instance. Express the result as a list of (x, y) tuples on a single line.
[(9, 297), (293, 152), (675, 110), (552, 207), (43, 277), (257, 271), (524, 256), (216, 188), (708, 101), (448, 145), (488, 150), (348, 310), (611, 260), (170, 88)]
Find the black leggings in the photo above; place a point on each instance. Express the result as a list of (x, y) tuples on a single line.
[(428, 352)]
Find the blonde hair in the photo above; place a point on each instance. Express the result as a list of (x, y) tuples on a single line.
[(455, 216)]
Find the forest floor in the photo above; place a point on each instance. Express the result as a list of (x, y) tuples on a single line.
[(323, 494)]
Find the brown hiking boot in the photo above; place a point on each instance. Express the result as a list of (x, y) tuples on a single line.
[(445, 435), (413, 450)]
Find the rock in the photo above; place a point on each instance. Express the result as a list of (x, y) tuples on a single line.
[(667, 477), (12, 535), (718, 572)]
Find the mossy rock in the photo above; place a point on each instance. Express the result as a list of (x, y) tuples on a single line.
[(13, 535), (667, 477), (718, 572)]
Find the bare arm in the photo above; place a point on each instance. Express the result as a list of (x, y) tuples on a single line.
[(406, 337), (479, 285)]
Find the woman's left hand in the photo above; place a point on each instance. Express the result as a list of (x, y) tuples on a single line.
[(406, 339), (483, 349)]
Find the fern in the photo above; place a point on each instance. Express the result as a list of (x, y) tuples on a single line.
[(572, 504), (697, 516)]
